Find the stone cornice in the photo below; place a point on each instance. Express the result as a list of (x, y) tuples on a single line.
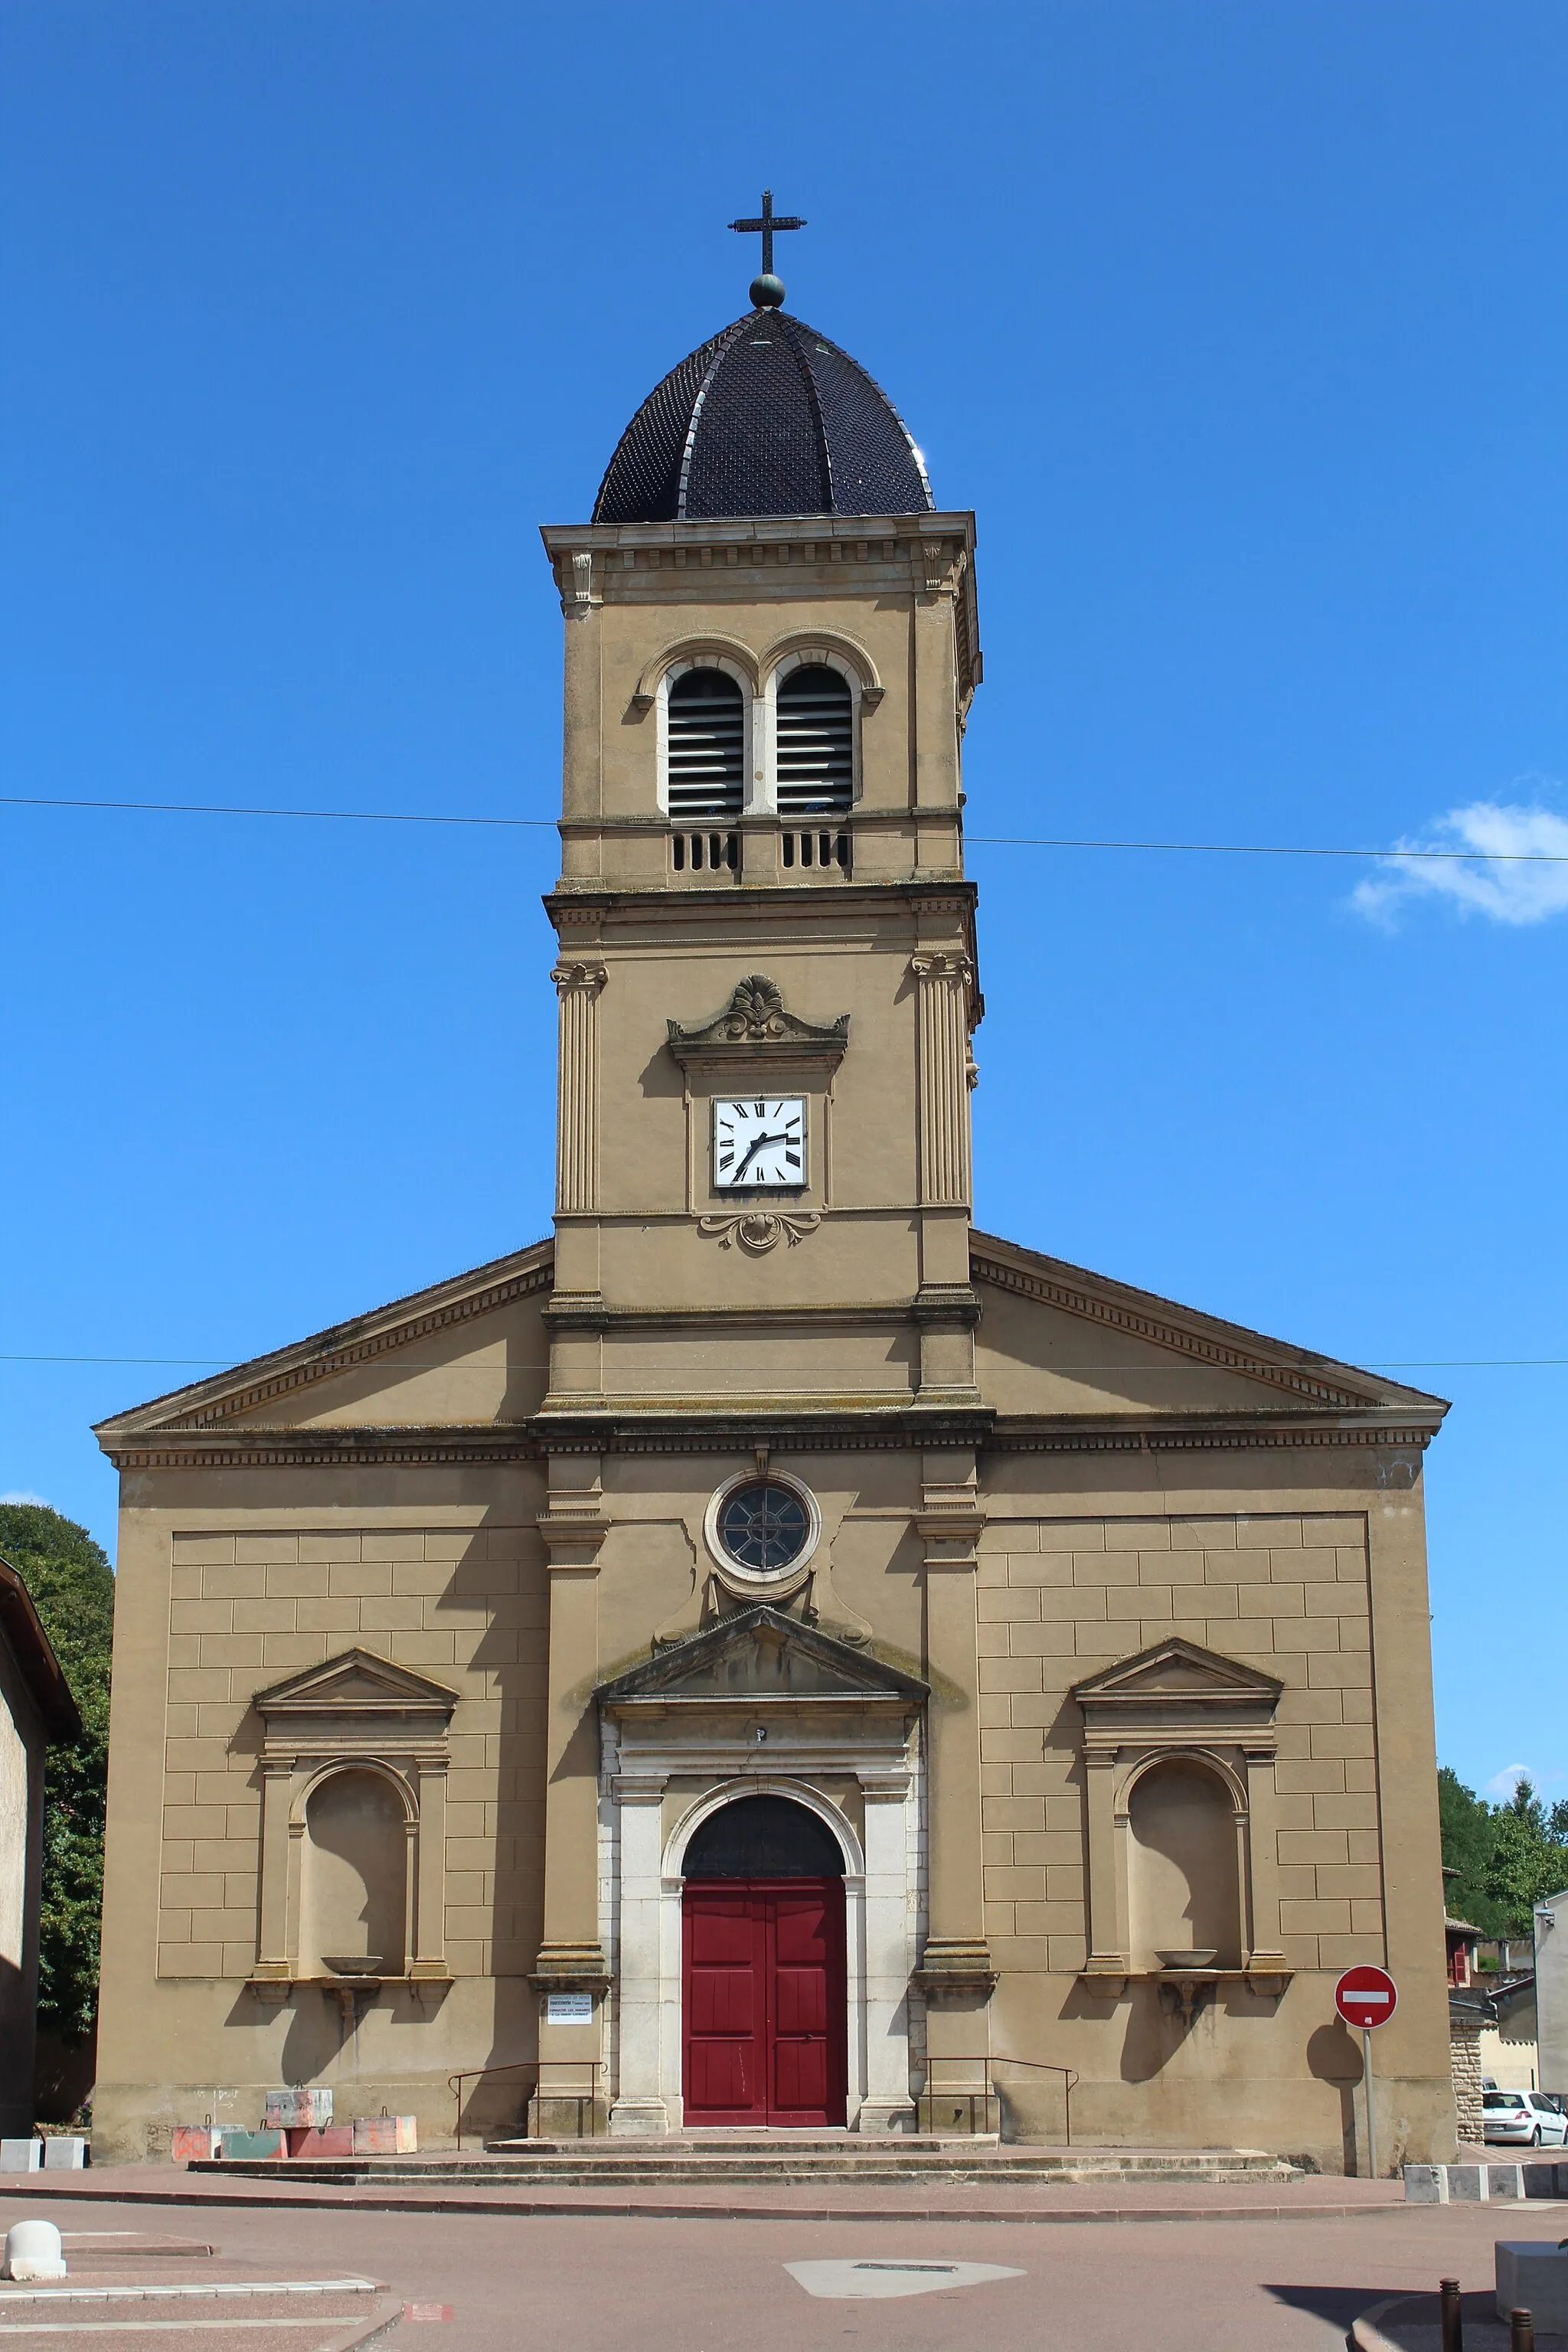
[(272, 1448), (596, 901), (1184, 1432)]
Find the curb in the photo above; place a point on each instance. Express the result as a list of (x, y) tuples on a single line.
[(1366, 2335), (649, 2210)]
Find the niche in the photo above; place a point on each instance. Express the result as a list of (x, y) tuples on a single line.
[(353, 1877), (1184, 1885)]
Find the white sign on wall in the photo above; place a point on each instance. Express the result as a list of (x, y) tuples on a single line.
[(569, 2009)]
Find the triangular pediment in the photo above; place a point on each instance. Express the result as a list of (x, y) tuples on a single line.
[(469, 1352), (1058, 1343), (760, 1653), (1177, 1669), (357, 1682)]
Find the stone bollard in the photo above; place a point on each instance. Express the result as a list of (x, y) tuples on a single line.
[(33, 2251), (1453, 2316)]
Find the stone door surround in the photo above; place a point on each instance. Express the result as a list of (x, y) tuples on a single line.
[(760, 1704)]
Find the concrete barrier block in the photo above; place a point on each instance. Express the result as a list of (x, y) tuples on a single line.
[(239, 2146), (331, 2140), (194, 2143), (1533, 2275), (1505, 2180), (1425, 2184), (21, 2155), (1467, 2184), (297, 2110), (64, 2153), (386, 2136)]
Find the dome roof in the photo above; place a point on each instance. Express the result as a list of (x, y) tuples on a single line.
[(768, 418)]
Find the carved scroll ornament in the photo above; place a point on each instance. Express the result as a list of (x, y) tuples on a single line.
[(755, 1023)]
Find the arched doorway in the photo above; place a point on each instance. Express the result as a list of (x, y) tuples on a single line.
[(762, 1968)]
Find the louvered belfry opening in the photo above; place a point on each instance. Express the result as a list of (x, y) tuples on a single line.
[(707, 746), (816, 739)]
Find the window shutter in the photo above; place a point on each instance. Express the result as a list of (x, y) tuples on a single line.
[(815, 737), (707, 742)]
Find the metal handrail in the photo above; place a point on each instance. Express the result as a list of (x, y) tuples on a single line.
[(478, 2073), (1071, 2076), (594, 2067)]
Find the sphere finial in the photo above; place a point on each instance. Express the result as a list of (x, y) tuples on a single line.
[(767, 292)]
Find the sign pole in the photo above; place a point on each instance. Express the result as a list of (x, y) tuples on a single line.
[(1371, 2117)]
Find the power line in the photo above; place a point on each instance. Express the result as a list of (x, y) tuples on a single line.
[(983, 840)]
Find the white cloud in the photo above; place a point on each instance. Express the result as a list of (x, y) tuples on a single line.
[(1501, 1785), (1506, 893), (18, 1496)]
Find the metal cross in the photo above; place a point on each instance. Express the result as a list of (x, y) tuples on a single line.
[(767, 224)]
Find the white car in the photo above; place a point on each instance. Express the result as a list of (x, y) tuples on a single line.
[(1522, 2119)]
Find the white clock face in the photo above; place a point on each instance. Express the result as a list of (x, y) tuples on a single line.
[(760, 1142)]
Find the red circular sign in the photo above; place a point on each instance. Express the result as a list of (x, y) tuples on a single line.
[(1366, 1997)]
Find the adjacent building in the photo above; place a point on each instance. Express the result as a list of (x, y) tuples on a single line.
[(36, 1707)]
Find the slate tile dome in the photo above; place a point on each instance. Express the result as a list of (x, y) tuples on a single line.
[(768, 418)]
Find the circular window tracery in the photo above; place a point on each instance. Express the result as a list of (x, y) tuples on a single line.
[(762, 1529)]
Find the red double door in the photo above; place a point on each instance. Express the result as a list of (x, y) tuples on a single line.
[(763, 2000)]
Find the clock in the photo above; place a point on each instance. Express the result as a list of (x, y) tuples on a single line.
[(760, 1142)]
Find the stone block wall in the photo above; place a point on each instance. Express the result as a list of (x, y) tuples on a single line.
[(466, 1606), (1061, 1598)]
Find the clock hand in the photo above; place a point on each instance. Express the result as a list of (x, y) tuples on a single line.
[(754, 1150)]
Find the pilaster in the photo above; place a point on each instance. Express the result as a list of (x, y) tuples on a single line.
[(955, 1967)]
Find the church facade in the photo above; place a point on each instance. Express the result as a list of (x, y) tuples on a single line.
[(773, 1653)]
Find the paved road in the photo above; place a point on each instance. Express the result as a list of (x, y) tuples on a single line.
[(698, 2285)]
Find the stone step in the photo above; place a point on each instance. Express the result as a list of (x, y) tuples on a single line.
[(602, 2164)]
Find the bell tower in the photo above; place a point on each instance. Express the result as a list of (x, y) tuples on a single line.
[(765, 928), (767, 987)]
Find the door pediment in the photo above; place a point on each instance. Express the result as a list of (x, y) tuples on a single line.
[(758, 1654)]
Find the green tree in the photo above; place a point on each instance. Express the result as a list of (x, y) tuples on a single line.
[(1529, 1857), (72, 1586), (1469, 1834)]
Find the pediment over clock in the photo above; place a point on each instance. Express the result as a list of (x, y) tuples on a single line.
[(756, 1025), (756, 1655), (358, 1684), (1177, 1676)]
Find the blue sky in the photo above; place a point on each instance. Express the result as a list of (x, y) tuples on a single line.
[(1242, 329)]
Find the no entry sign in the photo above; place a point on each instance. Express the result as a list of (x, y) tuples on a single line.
[(1366, 1997)]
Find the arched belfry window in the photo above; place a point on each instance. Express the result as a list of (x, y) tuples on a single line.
[(815, 742), (705, 746)]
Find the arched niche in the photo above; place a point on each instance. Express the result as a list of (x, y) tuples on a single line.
[(353, 1810), (1184, 1888), (354, 1875), (1179, 1817)]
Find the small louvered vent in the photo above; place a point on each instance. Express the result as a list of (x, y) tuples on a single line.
[(815, 742), (707, 742)]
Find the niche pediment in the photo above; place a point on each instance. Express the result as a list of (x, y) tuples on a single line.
[(757, 1654), (756, 1024), (355, 1697), (1176, 1683)]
